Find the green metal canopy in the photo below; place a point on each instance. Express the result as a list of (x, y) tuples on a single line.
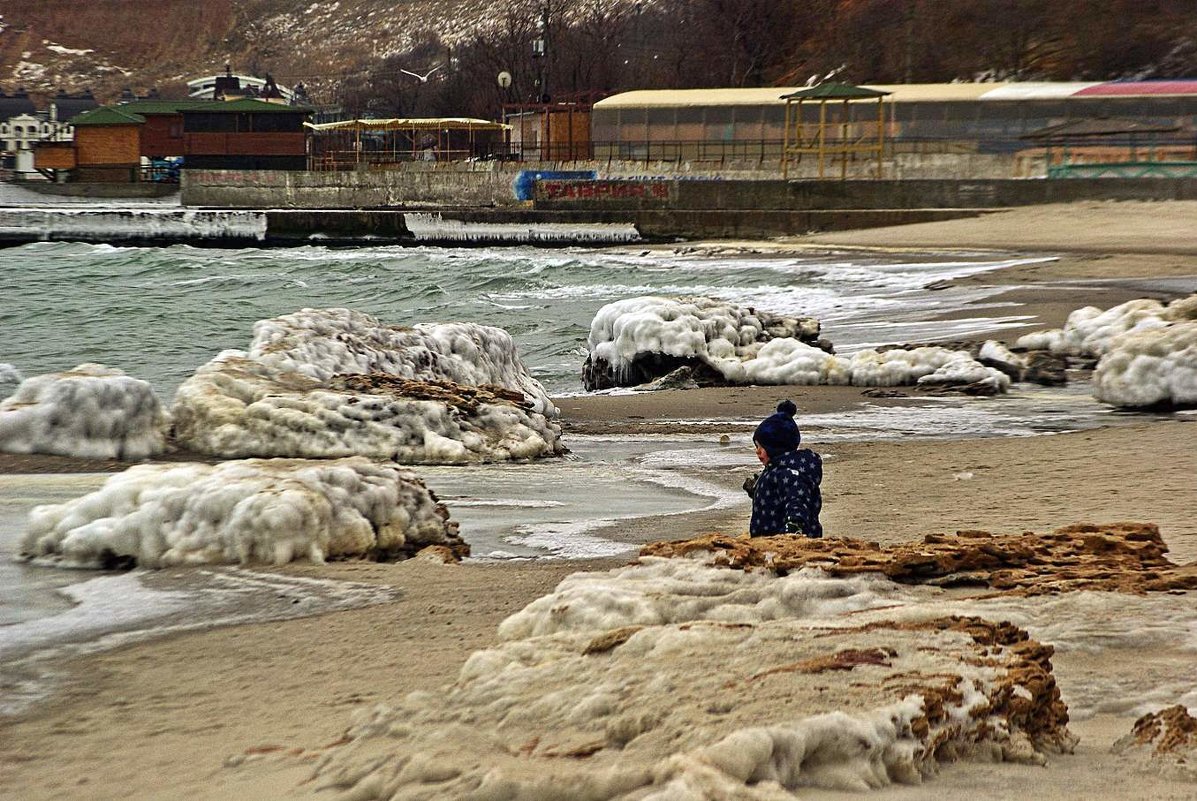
[(106, 115), (833, 90), (159, 106), (251, 104)]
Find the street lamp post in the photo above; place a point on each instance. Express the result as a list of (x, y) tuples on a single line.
[(541, 53)]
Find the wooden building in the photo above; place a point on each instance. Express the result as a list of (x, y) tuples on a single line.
[(106, 148), (549, 131), (162, 134), (125, 143), (245, 135)]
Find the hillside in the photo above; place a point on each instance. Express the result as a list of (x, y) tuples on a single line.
[(106, 45), (355, 52)]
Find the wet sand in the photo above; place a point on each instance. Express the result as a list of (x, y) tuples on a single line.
[(161, 719)]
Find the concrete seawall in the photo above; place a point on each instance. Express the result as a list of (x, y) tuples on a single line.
[(689, 195), (472, 204), (659, 207)]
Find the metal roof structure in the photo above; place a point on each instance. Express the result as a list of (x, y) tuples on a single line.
[(410, 123), (833, 90), (1102, 126), (914, 92), (15, 105), (155, 107), (107, 115), (1138, 88), (243, 105)]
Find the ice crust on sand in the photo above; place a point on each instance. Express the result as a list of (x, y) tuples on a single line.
[(1089, 331), (1150, 367), (91, 411), (256, 510), (674, 680), (332, 383), (735, 343)]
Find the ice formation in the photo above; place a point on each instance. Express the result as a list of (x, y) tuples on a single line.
[(91, 411), (633, 340), (673, 680), (1163, 741), (256, 510), (433, 227), (329, 383), (637, 339), (10, 377), (124, 225), (1150, 367), (1090, 331), (1124, 557)]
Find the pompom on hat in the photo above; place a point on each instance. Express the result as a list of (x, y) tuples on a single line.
[(778, 432)]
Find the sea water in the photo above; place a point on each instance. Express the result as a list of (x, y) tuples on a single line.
[(159, 313)]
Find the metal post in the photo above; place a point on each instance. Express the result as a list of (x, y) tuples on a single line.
[(844, 142), (785, 143), (880, 134), (822, 135)]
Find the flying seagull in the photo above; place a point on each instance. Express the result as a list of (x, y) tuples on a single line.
[(421, 78)]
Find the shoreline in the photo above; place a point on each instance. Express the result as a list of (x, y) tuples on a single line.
[(188, 705)]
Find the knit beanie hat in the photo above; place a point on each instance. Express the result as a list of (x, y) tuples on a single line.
[(778, 432)]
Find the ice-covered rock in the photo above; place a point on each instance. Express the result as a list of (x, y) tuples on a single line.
[(332, 383), (633, 340), (256, 510), (673, 680), (636, 340), (10, 377), (91, 411), (1089, 331), (321, 343), (1150, 367)]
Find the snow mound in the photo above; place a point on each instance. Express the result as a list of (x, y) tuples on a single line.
[(256, 510), (333, 383), (1150, 367), (1090, 331), (92, 412), (629, 339), (684, 682)]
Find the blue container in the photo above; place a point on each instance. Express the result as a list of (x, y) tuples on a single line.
[(524, 185)]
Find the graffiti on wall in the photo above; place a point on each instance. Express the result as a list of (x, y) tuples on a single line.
[(658, 190)]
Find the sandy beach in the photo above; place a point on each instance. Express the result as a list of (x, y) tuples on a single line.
[(241, 712)]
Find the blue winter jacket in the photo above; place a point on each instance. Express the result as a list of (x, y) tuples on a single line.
[(787, 499)]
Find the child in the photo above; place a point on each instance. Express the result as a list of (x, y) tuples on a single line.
[(786, 498)]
